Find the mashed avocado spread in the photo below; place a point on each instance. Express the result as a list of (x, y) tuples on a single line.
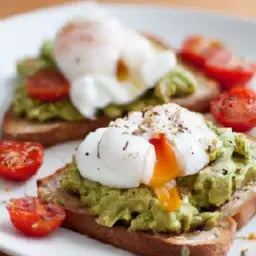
[(232, 168), (23, 105), (177, 83)]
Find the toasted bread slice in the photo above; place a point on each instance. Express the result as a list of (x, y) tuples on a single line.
[(51, 133), (212, 242)]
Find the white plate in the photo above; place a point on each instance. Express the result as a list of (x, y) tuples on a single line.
[(22, 35)]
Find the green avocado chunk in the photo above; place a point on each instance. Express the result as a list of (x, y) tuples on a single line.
[(29, 66), (46, 52), (232, 170), (32, 109), (202, 194), (178, 82)]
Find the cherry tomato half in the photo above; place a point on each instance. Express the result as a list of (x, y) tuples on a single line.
[(198, 49), (20, 160), (35, 217), (236, 109), (48, 85), (229, 73)]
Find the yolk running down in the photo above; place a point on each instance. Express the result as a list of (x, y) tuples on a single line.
[(166, 169)]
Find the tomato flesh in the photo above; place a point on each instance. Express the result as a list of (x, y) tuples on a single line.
[(235, 109), (198, 50), (48, 85), (20, 160), (231, 73), (35, 217)]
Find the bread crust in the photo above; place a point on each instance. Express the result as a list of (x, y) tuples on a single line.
[(249, 211), (50, 133), (212, 242)]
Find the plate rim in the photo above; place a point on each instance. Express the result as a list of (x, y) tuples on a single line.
[(158, 7)]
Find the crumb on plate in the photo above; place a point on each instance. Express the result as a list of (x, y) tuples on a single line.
[(244, 252), (251, 236)]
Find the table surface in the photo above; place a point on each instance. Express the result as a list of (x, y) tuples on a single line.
[(244, 8), (237, 7)]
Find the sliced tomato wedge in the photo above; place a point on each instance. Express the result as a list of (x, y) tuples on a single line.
[(20, 160), (48, 85), (236, 109), (229, 73), (35, 217), (198, 49)]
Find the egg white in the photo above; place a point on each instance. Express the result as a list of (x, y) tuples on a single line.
[(116, 159), (125, 157), (88, 50)]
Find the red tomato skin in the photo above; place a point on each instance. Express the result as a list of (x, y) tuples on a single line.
[(188, 50), (237, 127), (193, 58), (227, 77), (22, 173), (32, 223), (198, 50), (48, 86), (244, 117)]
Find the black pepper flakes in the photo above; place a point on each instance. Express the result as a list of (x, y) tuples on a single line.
[(87, 153), (98, 150), (224, 171), (244, 252), (126, 145), (77, 60)]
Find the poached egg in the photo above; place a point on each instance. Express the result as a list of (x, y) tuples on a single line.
[(107, 63), (152, 147)]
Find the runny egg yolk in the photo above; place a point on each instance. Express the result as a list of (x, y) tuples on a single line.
[(122, 72), (169, 197), (166, 169)]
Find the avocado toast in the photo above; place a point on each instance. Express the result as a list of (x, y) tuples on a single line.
[(205, 205), (51, 122)]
